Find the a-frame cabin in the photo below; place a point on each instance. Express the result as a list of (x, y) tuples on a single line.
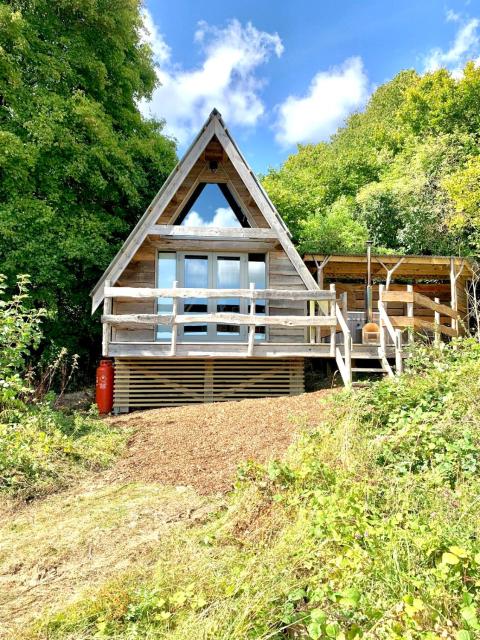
[(210, 227), (208, 299)]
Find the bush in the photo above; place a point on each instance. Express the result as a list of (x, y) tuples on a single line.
[(19, 333), (41, 449)]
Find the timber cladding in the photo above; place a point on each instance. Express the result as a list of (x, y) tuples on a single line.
[(142, 382), (225, 173)]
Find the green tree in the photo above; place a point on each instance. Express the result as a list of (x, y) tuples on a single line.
[(78, 163), (335, 232), (407, 166)]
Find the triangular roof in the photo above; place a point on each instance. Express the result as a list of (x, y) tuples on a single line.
[(214, 126)]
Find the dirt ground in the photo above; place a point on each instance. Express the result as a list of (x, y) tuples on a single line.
[(178, 464), (202, 445)]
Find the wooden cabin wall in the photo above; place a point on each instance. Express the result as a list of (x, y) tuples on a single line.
[(283, 275), (225, 172), (140, 272)]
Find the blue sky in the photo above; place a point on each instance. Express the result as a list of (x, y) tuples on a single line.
[(289, 71)]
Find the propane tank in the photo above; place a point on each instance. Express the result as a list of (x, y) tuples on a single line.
[(104, 386)]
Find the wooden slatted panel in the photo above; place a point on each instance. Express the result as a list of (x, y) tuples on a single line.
[(164, 383), (282, 272)]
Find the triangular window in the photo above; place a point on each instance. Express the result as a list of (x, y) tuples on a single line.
[(212, 205)]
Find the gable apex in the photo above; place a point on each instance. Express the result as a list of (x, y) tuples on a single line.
[(214, 127)]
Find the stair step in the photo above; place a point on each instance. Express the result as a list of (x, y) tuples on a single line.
[(368, 370)]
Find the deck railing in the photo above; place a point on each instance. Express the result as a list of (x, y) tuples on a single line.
[(323, 308), (412, 298)]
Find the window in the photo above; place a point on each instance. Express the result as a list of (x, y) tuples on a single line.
[(212, 205), (211, 271), (166, 276)]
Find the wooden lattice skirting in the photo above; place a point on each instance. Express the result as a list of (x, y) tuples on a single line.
[(143, 383)]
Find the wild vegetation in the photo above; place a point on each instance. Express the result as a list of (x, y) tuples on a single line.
[(404, 172), (369, 528), (42, 448)]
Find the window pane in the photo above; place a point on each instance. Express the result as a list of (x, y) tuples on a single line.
[(196, 277), (257, 274), (166, 276), (228, 277), (211, 209)]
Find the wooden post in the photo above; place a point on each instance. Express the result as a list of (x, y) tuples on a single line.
[(320, 275), (453, 291), (381, 305), (333, 330), (437, 323), (251, 328), (106, 330), (410, 314), (348, 359), (344, 298), (208, 380), (311, 307), (398, 353), (173, 343)]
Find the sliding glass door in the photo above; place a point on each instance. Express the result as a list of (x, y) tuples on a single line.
[(212, 271)]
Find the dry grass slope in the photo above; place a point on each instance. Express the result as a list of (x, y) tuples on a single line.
[(176, 466)]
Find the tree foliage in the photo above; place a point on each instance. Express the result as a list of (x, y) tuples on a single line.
[(78, 163), (407, 166)]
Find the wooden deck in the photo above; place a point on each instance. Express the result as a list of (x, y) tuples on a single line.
[(327, 332), (143, 374)]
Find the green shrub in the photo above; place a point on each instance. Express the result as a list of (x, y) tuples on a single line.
[(429, 418), (19, 333), (41, 449)]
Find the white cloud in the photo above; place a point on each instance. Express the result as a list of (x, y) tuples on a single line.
[(161, 50), (226, 79), (452, 16), (193, 219), (464, 47), (332, 95), (224, 217)]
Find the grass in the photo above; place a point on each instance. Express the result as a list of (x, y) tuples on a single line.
[(43, 449), (369, 529), (51, 550)]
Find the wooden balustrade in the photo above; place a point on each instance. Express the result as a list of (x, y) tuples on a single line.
[(319, 317), (411, 298)]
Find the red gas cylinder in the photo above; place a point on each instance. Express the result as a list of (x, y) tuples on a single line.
[(104, 386)]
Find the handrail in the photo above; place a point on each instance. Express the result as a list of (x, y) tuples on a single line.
[(421, 300), (256, 294), (221, 318), (388, 324), (385, 323), (345, 363)]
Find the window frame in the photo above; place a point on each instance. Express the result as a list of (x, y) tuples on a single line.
[(211, 335)]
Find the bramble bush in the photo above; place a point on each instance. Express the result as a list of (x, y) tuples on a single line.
[(370, 528), (19, 333), (41, 449)]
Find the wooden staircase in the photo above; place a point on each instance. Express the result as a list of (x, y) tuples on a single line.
[(390, 353)]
